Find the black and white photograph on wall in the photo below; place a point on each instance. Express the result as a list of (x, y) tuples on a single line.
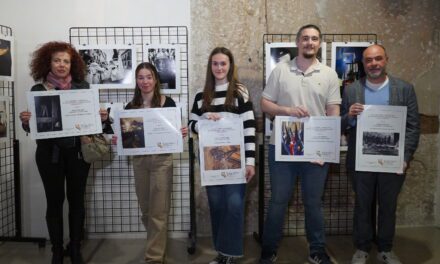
[(6, 58), (48, 113), (279, 52), (380, 143), (109, 66), (166, 59), (347, 61), (4, 119)]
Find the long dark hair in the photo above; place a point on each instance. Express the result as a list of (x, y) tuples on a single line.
[(233, 87), (137, 100)]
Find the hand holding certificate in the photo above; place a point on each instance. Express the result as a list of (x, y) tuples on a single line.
[(63, 113), (149, 131), (221, 147), (380, 138), (312, 139)]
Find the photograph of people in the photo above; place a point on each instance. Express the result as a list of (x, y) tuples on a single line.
[(57, 65), (224, 96), (153, 174), (377, 88), (290, 91), (166, 59), (292, 138), (108, 67)]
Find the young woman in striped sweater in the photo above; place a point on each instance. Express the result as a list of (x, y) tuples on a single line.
[(224, 96)]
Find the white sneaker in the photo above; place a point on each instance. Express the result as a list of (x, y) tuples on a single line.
[(359, 257), (388, 257)]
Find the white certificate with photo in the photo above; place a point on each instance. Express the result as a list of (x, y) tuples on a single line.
[(222, 154), (380, 138), (64, 113), (149, 131), (307, 139)]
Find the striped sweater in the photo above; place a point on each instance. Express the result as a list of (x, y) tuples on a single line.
[(244, 111)]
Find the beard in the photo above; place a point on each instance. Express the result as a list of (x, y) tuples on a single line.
[(308, 55), (376, 75)]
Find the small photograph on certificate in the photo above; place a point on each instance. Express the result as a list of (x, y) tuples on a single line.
[(315, 138), (221, 147), (48, 113), (380, 143), (292, 142), (222, 157), (148, 131), (132, 132), (64, 113)]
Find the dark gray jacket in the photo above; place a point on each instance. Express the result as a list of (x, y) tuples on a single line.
[(402, 94)]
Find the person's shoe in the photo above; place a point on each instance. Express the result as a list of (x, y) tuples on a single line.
[(270, 260), (319, 258), (359, 257), (229, 260), (57, 255), (220, 259), (388, 258)]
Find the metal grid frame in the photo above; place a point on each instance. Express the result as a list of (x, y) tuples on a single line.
[(111, 202), (338, 200), (8, 219)]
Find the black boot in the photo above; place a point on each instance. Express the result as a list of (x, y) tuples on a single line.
[(55, 228), (76, 226), (75, 253)]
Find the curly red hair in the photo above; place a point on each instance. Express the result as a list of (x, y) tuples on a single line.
[(41, 59)]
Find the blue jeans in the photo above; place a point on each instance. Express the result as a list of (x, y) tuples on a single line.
[(226, 205), (283, 177)]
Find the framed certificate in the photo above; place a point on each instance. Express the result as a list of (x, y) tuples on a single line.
[(307, 139), (149, 131), (221, 148), (63, 113), (380, 134)]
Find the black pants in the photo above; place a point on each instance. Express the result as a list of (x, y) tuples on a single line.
[(64, 172), (388, 188)]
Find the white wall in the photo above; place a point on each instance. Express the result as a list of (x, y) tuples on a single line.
[(37, 22)]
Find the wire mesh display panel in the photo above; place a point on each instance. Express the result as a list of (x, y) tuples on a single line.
[(7, 162), (111, 201), (338, 200)]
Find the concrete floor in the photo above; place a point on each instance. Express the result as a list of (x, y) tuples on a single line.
[(412, 245)]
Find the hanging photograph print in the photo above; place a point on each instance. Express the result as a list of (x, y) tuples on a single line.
[(6, 58), (166, 59), (347, 61), (109, 66), (4, 119)]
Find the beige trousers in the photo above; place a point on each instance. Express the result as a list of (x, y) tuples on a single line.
[(153, 176)]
